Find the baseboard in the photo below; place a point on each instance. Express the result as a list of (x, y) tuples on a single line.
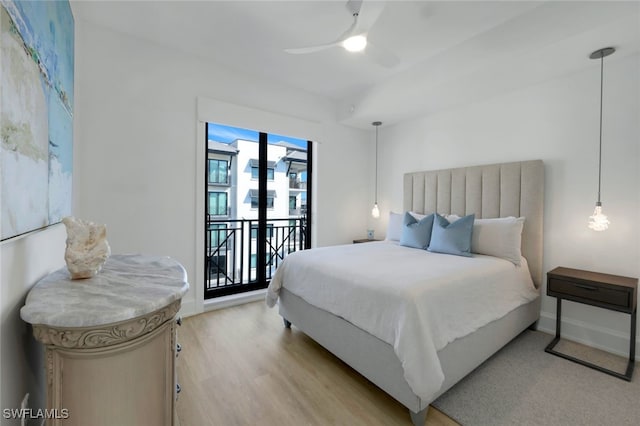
[(188, 308), (234, 300), (588, 334)]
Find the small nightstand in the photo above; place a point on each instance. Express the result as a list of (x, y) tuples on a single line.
[(363, 240), (592, 288)]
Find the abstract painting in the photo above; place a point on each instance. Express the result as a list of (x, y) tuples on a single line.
[(36, 114)]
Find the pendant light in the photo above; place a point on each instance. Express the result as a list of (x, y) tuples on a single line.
[(375, 211), (598, 221)]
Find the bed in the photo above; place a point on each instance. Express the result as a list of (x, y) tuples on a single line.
[(416, 370)]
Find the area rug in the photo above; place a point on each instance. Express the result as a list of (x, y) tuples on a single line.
[(523, 385)]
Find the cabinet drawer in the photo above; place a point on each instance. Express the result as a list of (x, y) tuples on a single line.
[(590, 293)]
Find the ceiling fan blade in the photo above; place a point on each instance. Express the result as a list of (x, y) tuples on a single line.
[(350, 31), (311, 49), (381, 56), (365, 14)]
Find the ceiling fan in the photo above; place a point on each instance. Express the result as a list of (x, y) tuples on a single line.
[(354, 39)]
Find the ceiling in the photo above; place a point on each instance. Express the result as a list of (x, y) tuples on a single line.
[(450, 52)]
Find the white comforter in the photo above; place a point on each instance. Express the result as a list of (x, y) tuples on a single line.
[(415, 300)]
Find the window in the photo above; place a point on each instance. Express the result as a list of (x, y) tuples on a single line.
[(254, 202), (254, 173), (254, 195), (271, 167), (245, 173), (218, 203), (218, 171), (216, 235), (254, 231)]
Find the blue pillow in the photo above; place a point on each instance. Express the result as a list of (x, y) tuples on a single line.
[(416, 233), (452, 238)]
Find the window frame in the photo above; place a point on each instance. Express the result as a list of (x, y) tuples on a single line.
[(255, 203), (271, 173), (226, 206), (226, 171)]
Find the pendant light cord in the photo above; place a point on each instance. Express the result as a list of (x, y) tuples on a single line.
[(376, 197), (600, 149), (376, 124)]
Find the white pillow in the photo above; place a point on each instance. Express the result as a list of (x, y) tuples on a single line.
[(394, 227), (451, 217), (499, 237)]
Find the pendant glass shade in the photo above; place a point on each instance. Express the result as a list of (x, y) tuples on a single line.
[(375, 211), (599, 221)]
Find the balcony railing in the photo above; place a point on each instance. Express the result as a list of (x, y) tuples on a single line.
[(298, 212), (231, 250), (296, 184)]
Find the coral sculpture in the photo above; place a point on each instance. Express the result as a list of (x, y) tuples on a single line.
[(87, 247)]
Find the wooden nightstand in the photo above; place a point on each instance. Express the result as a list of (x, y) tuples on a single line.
[(363, 240), (592, 288)]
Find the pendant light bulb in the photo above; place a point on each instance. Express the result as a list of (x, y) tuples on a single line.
[(599, 221), (375, 211)]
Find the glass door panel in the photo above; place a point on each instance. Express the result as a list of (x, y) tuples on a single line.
[(256, 206), (286, 199)]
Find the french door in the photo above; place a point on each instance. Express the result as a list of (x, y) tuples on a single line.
[(258, 206)]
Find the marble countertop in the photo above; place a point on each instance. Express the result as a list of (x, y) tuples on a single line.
[(127, 287)]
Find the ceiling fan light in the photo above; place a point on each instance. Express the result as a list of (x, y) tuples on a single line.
[(355, 43)]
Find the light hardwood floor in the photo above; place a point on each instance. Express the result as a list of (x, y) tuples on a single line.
[(240, 366)]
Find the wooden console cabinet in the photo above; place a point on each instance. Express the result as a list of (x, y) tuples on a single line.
[(110, 342)]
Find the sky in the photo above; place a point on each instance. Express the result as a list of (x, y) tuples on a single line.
[(227, 134)]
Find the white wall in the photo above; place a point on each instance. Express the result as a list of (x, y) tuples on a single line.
[(24, 261), (137, 142), (556, 121)]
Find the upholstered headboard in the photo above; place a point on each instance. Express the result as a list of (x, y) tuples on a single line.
[(496, 190)]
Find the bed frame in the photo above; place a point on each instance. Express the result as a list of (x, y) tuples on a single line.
[(497, 190)]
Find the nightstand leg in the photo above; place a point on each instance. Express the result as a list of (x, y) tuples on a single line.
[(632, 343), (558, 316), (555, 341), (632, 348)]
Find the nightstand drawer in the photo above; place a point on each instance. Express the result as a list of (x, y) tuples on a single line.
[(589, 292)]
